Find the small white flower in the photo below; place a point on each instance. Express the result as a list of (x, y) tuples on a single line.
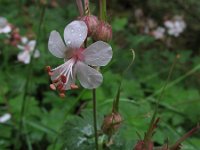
[(159, 33), (77, 60), (27, 49), (176, 26), (4, 26), (5, 118)]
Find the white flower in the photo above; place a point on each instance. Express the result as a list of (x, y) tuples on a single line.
[(158, 33), (27, 49), (5, 118), (77, 60), (4, 26), (176, 26)]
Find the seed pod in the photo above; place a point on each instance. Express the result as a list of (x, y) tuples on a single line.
[(103, 32), (111, 123), (91, 22), (141, 145)]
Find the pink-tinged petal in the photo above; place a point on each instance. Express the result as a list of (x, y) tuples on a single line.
[(31, 44), (75, 34), (98, 54), (20, 47), (70, 81), (56, 45), (65, 70), (36, 54), (3, 22), (24, 57), (57, 72), (5, 118), (89, 78), (6, 29), (24, 40)]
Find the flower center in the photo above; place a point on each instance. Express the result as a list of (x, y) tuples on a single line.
[(62, 77), (26, 48), (77, 54)]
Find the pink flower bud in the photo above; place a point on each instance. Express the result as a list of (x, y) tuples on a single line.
[(91, 22), (103, 32), (111, 123)]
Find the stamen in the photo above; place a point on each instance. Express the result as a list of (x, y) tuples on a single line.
[(74, 86), (55, 81), (62, 95), (60, 86), (52, 86), (48, 68), (63, 78), (50, 73)]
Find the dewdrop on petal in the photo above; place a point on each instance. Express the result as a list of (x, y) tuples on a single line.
[(91, 22), (77, 60), (103, 32)]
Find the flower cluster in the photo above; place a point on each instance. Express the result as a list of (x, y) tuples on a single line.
[(27, 48), (172, 27), (175, 26), (5, 27), (14, 38), (79, 62)]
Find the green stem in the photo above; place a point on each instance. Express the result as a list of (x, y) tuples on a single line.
[(23, 108), (102, 10), (95, 117), (150, 130)]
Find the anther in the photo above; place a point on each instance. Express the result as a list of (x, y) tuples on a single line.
[(63, 78), (60, 87), (74, 86), (52, 86), (62, 95), (50, 73), (48, 68)]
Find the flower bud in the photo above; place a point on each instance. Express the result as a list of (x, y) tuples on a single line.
[(91, 22), (103, 32), (141, 145), (111, 123)]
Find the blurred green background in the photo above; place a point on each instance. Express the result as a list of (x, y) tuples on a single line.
[(134, 23)]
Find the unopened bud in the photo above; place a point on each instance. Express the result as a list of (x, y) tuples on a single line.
[(141, 145), (103, 32), (111, 123), (91, 22)]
